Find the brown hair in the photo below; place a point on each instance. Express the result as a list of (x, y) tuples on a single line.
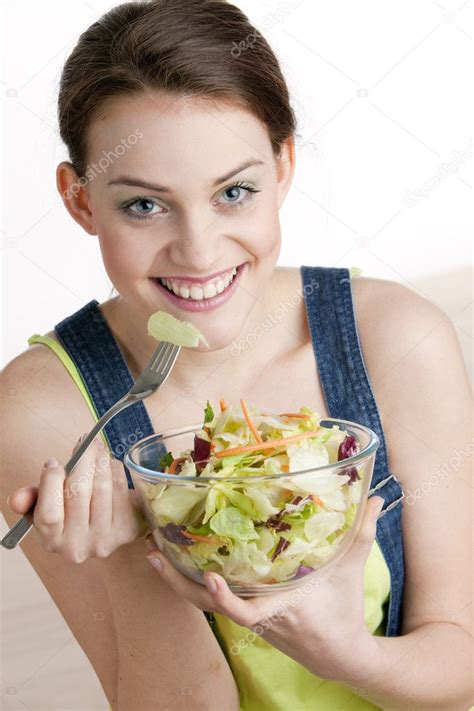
[(203, 48)]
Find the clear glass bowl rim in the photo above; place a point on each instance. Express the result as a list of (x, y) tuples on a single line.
[(154, 476)]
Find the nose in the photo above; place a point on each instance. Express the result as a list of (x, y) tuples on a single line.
[(195, 246)]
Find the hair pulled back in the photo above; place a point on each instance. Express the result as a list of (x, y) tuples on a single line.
[(199, 48)]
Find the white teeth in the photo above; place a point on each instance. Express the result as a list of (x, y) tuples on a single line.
[(209, 291), (198, 292)]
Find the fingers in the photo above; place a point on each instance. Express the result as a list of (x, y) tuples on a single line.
[(74, 515), (48, 517), (195, 593), (243, 612), (21, 500), (77, 495), (214, 595), (101, 503), (121, 493)]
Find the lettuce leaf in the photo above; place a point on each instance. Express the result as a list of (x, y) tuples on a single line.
[(174, 505), (165, 327), (322, 524), (231, 522)]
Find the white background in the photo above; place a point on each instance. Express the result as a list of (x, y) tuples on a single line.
[(381, 91), (382, 99)]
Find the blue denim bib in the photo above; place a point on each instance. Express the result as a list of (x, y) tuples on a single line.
[(345, 383)]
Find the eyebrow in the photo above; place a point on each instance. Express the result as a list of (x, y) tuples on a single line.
[(134, 182)]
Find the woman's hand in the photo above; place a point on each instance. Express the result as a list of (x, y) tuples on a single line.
[(88, 514), (320, 624)]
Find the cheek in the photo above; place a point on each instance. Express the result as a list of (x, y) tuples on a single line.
[(265, 232), (124, 257)]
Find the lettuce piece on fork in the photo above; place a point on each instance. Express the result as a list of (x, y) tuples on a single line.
[(165, 327)]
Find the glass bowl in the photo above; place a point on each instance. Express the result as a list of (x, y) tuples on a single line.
[(321, 508)]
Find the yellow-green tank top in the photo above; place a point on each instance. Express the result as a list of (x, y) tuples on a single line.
[(269, 680)]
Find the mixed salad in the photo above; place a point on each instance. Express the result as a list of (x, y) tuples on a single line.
[(265, 530)]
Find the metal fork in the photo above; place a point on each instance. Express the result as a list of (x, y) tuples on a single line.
[(154, 375)]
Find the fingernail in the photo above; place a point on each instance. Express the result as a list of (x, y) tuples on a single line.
[(155, 561), (8, 500), (211, 584), (50, 463)]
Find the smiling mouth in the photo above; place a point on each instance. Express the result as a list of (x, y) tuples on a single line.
[(197, 291)]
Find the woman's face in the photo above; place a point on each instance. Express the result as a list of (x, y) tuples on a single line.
[(188, 191)]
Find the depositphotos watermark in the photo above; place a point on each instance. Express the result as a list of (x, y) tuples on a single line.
[(272, 319), (445, 470), (442, 173), (94, 169), (271, 19), (98, 465)]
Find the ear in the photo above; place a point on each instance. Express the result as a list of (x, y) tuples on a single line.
[(75, 196), (285, 165)]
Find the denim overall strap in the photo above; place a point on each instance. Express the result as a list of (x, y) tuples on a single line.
[(89, 341), (349, 396)]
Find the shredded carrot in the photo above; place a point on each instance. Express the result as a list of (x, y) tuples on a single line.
[(249, 421), (223, 405), (202, 539), (268, 444), (285, 468), (295, 414), (175, 463), (317, 500)]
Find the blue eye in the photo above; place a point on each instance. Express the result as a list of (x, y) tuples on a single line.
[(127, 208), (240, 187)]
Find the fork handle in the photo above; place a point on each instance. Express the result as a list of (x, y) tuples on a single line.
[(23, 525)]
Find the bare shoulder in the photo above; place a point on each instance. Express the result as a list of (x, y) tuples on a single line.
[(37, 379), (391, 319)]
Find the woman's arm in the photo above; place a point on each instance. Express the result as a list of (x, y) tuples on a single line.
[(428, 669), (148, 648), (425, 401)]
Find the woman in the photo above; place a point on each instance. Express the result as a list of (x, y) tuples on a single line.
[(181, 154)]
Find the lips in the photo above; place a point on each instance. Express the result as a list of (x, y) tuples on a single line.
[(196, 301), (196, 290), (200, 280)]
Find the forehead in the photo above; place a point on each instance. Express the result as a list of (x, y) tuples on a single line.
[(178, 133)]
